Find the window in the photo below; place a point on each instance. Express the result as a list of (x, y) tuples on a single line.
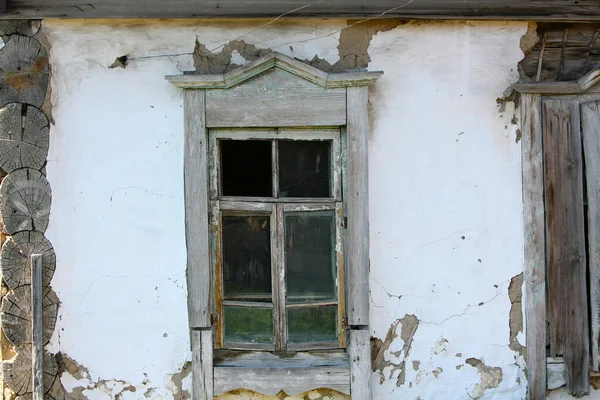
[(276, 205), (276, 199)]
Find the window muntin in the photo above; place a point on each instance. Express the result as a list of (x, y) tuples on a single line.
[(305, 302)]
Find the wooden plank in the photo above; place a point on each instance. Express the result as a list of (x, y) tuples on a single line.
[(250, 359), (293, 381), (553, 10), (37, 347), (359, 350), (195, 177), (590, 129), (565, 226), (285, 100), (358, 207), (278, 270), (202, 365), (535, 242)]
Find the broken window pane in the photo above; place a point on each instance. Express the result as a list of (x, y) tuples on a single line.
[(248, 324), (246, 168), (304, 168), (247, 257), (316, 324), (310, 256)]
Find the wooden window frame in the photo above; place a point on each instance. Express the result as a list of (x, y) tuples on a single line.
[(275, 207), (276, 91), (543, 372)]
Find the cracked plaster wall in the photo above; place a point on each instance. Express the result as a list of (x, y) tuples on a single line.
[(445, 193)]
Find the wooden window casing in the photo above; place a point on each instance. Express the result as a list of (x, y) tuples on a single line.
[(274, 95), (275, 207)]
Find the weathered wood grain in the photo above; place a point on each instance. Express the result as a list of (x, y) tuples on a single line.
[(565, 226), (555, 10), (195, 175), (24, 137), (590, 130), (358, 207), (17, 373), (293, 381), (532, 157), (360, 364), (557, 372), (25, 201), (249, 359), (15, 315), (37, 343), (202, 365), (275, 98), (23, 71), (15, 256)]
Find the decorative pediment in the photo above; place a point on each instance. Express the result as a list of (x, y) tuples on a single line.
[(580, 86), (270, 61)]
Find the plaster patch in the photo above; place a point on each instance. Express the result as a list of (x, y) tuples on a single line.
[(490, 377), (515, 293)]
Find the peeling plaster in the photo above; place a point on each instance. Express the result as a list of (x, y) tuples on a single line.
[(515, 294), (490, 377), (380, 361)]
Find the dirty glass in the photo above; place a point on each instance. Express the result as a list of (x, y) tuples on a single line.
[(310, 256), (248, 325), (246, 168), (246, 260), (315, 324), (304, 168)]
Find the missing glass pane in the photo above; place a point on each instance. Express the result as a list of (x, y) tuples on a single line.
[(304, 168), (310, 256), (307, 325), (246, 168), (247, 258), (248, 325)]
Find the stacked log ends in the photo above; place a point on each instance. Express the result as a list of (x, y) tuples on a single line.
[(25, 201), (24, 137), (17, 373), (24, 64), (15, 258)]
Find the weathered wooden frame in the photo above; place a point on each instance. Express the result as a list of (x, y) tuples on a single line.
[(543, 372), (325, 100)]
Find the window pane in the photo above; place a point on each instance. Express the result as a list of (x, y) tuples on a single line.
[(248, 325), (317, 324), (246, 168), (310, 256), (304, 168), (247, 257)]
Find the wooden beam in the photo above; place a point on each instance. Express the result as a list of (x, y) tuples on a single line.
[(37, 348), (535, 241), (567, 267), (555, 10)]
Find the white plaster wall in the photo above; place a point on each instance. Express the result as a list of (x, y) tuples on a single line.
[(444, 164)]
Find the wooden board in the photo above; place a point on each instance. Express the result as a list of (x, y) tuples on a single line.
[(276, 98), (360, 364), (202, 365), (432, 9), (195, 175), (590, 130), (358, 207), (37, 342), (565, 226), (249, 359), (293, 381), (535, 242)]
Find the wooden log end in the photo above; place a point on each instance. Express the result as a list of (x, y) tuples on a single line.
[(15, 258)]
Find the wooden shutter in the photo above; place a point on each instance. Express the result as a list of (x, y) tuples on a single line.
[(565, 229), (590, 125)]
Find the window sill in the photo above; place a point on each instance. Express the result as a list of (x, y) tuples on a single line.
[(269, 373)]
